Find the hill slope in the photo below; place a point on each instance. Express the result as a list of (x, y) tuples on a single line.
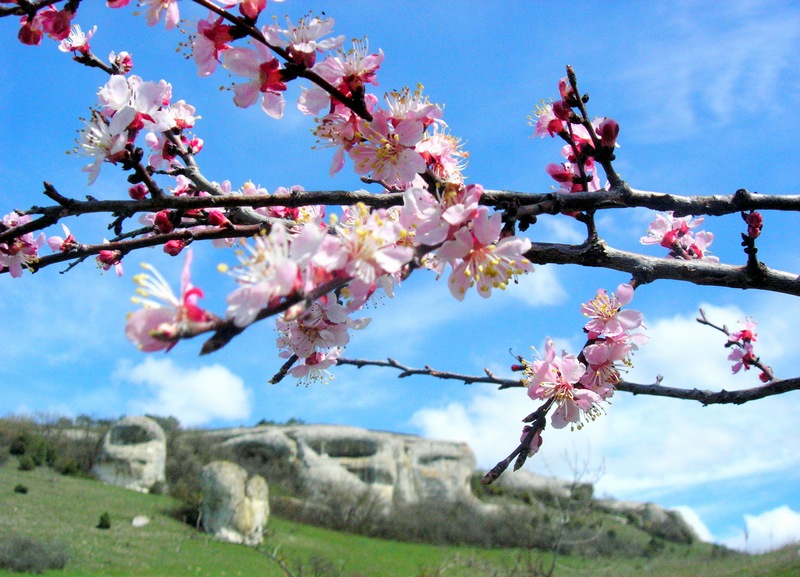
[(66, 509)]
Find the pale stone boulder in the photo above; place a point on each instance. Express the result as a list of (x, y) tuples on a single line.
[(234, 508), (133, 455)]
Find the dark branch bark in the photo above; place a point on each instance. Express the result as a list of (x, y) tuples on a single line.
[(704, 397)]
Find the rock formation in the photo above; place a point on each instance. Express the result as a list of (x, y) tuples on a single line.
[(330, 460), (234, 508), (133, 454)]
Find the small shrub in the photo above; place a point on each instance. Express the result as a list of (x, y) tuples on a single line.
[(68, 467), (26, 463), (105, 521), (26, 555), (22, 489)]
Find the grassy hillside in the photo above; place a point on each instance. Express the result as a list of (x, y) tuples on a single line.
[(66, 509)]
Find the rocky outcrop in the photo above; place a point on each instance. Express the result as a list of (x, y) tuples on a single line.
[(234, 508), (525, 485), (132, 454), (652, 518), (333, 460)]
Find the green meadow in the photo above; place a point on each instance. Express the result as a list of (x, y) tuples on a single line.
[(65, 510)]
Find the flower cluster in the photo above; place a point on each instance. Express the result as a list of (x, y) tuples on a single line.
[(23, 250), (577, 385), (317, 337), (126, 105), (742, 354), (676, 234), (585, 140)]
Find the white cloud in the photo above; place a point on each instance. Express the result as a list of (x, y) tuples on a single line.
[(196, 396), (769, 530), (539, 288)]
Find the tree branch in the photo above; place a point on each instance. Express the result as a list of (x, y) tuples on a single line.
[(704, 397)]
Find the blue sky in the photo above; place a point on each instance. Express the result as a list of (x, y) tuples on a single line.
[(705, 94)]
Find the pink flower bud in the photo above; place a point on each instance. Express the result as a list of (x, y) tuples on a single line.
[(252, 8), (608, 131), (162, 222), (562, 110), (216, 218), (28, 34), (138, 191), (174, 247), (565, 89), (755, 222)]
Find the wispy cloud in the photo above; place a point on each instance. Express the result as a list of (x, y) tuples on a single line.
[(711, 63)]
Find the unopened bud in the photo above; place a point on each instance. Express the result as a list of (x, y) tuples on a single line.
[(174, 247), (163, 223)]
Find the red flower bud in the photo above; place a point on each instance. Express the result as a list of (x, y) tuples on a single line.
[(163, 223), (174, 247)]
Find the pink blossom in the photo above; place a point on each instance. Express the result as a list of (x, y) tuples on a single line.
[(122, 61), (607, 318), (154, 9), (324, 325), (106, 259), (266, 78), (270, 269), (348, 71), (77, 41), (314, 367), (212, 39), (677, 235), (746, 334), (388, 152), (366, 248), (556, 378), (164, 315), (547, 123), (302, 41), (62, 243), (23, 251), (479, 259), (742, 357)]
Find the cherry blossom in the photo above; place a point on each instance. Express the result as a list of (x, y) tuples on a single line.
[(269, 269), (22, 251), (387, 152), (365, 249), (479, 259), (62, 243), (555, 377), (212, 39), (266, 78), (607, 318), (77, 41), (104, 140), (324, 325), (315, 367), (348, 72), (302, 41), (163, 314), (677, 235)]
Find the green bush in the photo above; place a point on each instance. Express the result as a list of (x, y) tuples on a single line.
[(26, 463), (22, 489), (26, 555), (105, 521)]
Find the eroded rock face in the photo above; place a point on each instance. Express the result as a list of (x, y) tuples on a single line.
[(334, 460), (654, 519), (133, 454), (235, 508)]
